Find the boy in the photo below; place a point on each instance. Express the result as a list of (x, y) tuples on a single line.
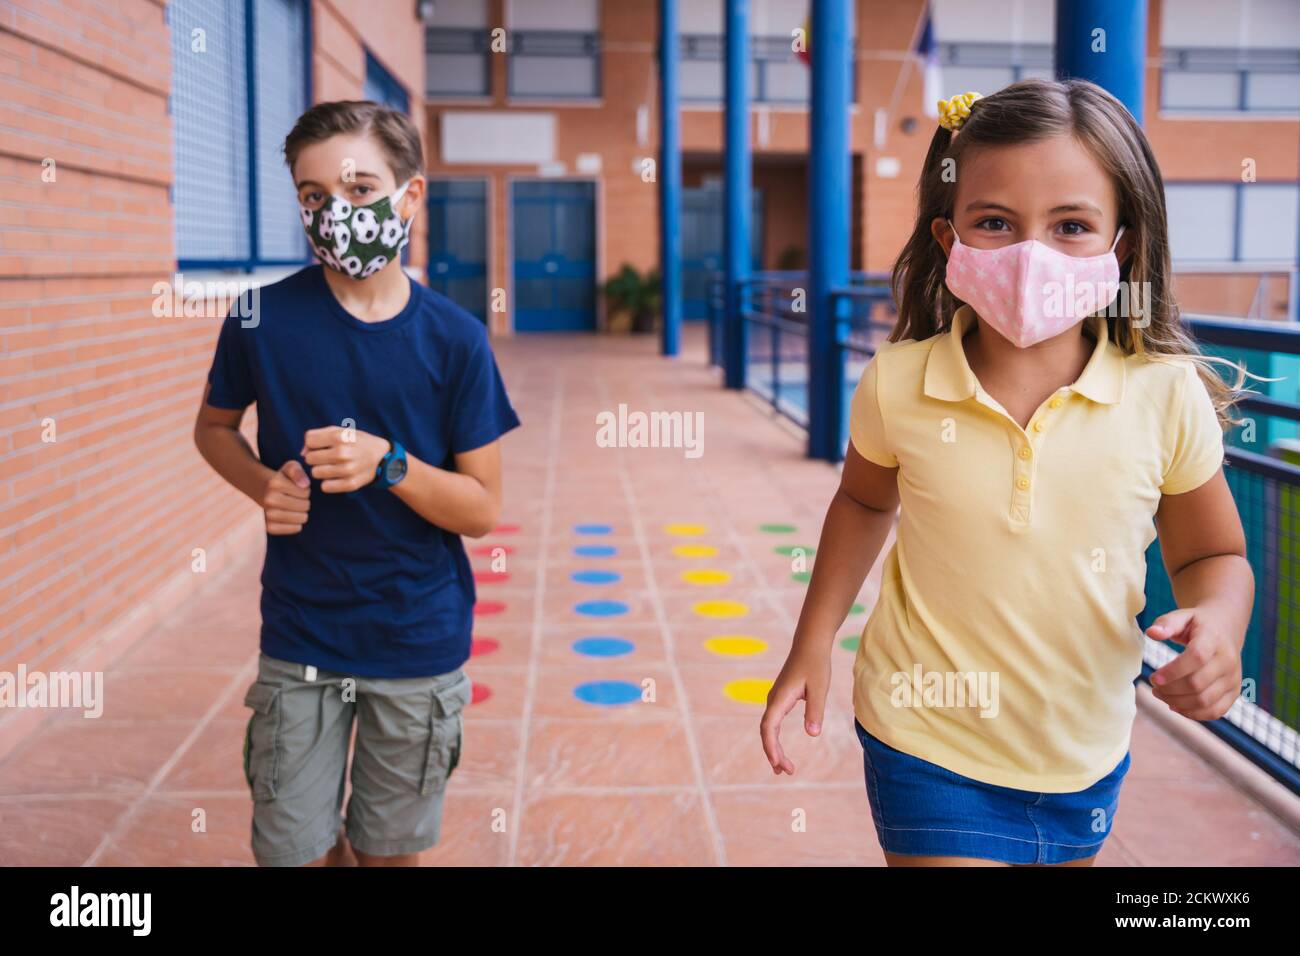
[(379, 409)]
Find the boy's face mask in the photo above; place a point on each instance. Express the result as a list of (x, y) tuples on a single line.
[(1029, 291), (357, 240)]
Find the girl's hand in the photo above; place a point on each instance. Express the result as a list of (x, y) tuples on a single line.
[(1205, 679), (805, 677)]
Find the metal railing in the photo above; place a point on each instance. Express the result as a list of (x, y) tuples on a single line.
[(1264, 722), (775, 315)]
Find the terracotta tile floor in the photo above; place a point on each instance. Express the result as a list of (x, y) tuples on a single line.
[(548, 778)]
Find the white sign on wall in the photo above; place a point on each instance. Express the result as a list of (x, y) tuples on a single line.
[(513, 138)]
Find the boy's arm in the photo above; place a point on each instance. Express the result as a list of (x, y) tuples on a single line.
[(284, 496), (223, 446), (466, 501)]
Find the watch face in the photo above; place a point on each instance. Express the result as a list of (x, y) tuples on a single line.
[(395, 471)]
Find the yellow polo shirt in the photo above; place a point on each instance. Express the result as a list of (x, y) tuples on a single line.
[(1003, 645)]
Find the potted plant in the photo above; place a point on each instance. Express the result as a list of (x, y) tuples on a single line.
[(791, 259), (631, 294)]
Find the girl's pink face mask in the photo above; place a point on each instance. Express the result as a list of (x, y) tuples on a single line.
[(1029, 291)]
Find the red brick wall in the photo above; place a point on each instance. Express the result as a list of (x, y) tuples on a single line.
[(91, 523)]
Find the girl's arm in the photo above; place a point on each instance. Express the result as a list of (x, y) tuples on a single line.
[(856, 526), (1204, 550)]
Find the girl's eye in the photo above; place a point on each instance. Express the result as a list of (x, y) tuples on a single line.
[(362, 190), (1073, 228), (993, 224)]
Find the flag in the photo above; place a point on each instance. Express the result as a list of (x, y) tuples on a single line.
[(927, 51)]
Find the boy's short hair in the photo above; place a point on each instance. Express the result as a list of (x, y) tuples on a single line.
[(396, 134)]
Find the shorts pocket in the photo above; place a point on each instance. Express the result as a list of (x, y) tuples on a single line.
[(262, 740), (446, 733)]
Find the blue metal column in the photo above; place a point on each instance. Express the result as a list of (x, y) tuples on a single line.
[(828, 222), (670, 178), (250, 79), (737, 189), (1104, 41)]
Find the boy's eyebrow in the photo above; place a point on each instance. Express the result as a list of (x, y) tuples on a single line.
[(312, 182)]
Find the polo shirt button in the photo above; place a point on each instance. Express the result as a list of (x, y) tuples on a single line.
[(1022, 483), (1056, 403), (1038, 426), (1024, 451)]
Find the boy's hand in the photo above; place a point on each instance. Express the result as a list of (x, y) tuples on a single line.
[(806, 678), (343, 459), (1205, 679), (286, 498)]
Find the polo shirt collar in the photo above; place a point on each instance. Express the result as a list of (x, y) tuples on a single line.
[(948, 375)]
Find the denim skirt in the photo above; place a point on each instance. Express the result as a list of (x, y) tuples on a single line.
[(922, 809)]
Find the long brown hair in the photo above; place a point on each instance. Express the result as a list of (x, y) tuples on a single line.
[(1032, 110)]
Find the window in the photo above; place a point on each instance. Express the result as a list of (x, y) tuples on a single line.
[(234, 203), (456, 51), (282, 64), (554, 64), (987, 67), (382, 87), (554, 50), (776, 74), (1232, 222), (1268, 221), (1230, 79), (1230, 56), (975, 52)]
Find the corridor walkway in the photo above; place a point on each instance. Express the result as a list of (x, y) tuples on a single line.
[(628, 573)]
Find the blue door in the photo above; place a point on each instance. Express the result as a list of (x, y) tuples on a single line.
[(458, 242), (702, 234), (554, 230)]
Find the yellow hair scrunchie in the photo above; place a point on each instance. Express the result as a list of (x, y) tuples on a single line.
[(953, 112)]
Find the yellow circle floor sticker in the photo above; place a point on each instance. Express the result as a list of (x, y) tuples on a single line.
[(721, 609), (695, 551), (685, 530), (735, 645), (749, 690), (705, 576)]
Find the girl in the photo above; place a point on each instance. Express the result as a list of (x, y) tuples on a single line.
[(1039, 413)]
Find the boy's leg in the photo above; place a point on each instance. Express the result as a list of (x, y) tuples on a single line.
[(295, 760), (402, 859), (409, 737), (338, 855)]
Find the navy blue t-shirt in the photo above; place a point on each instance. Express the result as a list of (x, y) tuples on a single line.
[(368, 587)]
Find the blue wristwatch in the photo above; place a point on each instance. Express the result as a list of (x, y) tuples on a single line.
[(392, 467)]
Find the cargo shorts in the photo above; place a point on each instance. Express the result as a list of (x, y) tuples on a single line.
[(409, 735)]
